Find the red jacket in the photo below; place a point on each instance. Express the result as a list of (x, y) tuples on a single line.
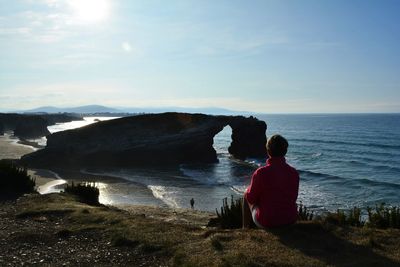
[(273, 189)]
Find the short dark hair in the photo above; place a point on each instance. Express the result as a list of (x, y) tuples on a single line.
[(277, 146)]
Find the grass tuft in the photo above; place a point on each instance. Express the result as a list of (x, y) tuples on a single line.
[(342, 218), (216, 244), (384, 217), (65, 233), (304, 213), (123, 241)]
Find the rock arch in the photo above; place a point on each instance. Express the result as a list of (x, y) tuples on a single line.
[(167, 138)]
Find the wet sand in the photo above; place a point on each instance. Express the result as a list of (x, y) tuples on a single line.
[(11, 149)]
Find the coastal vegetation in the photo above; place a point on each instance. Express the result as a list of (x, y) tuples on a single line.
[(86, 192), (139, 237), (382, 217), (230, 215), (14, 180)]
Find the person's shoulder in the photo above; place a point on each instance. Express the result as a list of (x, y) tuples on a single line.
[(293, 170), (262, 170)]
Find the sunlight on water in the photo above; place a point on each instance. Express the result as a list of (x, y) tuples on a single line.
[(77, 124), (63, 126)]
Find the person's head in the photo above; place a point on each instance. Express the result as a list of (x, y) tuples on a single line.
[(277, 146)]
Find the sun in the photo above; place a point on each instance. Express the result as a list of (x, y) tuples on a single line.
[(90, 10)]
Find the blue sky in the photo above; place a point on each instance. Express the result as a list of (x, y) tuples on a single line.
[(263, 56)]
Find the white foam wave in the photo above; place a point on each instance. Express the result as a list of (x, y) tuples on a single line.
[(239, 189), (316, 155), (54, 186), (168, 195)]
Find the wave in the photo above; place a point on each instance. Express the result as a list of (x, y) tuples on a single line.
[(378, 155), (349, 181), (165, 194), (376, 145), (375, 166)]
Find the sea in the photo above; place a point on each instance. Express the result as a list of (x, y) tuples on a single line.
[(344, 160)]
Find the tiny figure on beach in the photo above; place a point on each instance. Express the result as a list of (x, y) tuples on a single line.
[(192, 203), (270, 199)]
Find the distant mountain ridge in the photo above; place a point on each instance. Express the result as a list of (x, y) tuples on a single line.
[(80, 109), (91, 109)]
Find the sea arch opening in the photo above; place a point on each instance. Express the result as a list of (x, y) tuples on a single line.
[(222, 141)]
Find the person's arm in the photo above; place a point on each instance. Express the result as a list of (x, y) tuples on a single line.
[(253, 191)]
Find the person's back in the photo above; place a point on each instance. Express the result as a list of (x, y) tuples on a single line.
[(273, 191)]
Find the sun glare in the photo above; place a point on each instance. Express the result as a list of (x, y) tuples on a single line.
[(90, 10)]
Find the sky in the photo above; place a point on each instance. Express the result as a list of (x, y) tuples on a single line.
[(282, 56)]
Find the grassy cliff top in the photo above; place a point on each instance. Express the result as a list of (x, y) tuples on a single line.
[(56, 229)]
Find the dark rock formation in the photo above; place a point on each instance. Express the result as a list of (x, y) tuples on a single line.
[(167, 138), (248, 138), (1, 129), (32, 126)]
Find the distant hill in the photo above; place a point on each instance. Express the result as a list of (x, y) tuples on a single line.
[(91, 109), (206, 110), (81, 109)]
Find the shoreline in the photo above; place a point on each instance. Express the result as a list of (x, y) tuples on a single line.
[(33, 144), (113, 190)]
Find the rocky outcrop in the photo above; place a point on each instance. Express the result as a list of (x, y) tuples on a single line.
[(1, 129), (168, 138), (32, 126), (248, 138)]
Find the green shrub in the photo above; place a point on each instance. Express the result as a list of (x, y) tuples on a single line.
[(87, 192), (384, 217), (230, 216), (14, 180)]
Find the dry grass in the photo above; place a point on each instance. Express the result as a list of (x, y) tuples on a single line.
[(303, 244)]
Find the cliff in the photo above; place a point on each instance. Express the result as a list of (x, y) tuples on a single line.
[(31, 126), (167, 138)]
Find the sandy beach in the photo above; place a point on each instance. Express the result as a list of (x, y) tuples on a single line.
[(11, 148), (46, 181), (113, 190)]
